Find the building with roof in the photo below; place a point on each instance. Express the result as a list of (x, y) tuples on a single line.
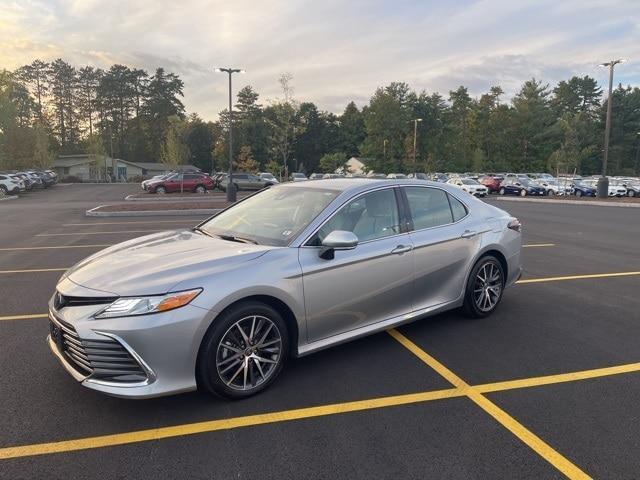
[(89, 167)]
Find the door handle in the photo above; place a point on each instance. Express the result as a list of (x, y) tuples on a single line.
[(468, 234), (402, 249)]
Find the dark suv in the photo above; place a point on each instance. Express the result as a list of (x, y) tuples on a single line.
[(244, 181), (188, 182)]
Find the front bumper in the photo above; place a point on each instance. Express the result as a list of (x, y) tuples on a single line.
[(165, 345)]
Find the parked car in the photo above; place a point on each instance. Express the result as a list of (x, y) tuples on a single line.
[(316, 176), (268, 177), (632, 186), (376, 175), (332, 175), (614, 190), (397, 176), (9, 185), (297, 177), (156, 178), (187, 182), (553, 187), (244, 181), (520, 186), (581, 189), (289, 271), (418, 176), (491, 182), (470, 186)]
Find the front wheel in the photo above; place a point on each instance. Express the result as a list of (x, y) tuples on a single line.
[(484, 287), (244, 351), (631, 193), (523, 193), (501, 191), (578, 193), (161, 190), (201, 189)]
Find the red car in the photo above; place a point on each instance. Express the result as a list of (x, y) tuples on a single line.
[(188, 182), (492, 183)]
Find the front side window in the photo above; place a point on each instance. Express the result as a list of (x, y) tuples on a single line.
[(370, 216), (429, 207), (271, 217)]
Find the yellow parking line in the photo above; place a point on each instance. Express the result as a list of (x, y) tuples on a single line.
[(538, 445), (92, 233), (559, 378), (577, 277), (11, 249), (35, 270), (25, 317), (223, 424), (534, 245)]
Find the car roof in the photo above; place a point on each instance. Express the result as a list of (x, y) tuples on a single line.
[(357, 184)]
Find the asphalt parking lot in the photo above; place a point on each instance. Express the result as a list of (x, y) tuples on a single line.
[(547, 387)]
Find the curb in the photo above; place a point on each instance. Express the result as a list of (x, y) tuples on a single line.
[(151, 213), (570, 202), (201, 198), (9, 197)]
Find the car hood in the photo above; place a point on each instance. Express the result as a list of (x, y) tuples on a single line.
[(155, 263)]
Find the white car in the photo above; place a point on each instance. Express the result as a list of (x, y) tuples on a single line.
[(298, 177), (470, 186), (615, 190), (553, 187), (10, 185), (399, 176)]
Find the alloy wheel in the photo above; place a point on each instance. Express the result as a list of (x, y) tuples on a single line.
[(249, 352), (487, 287)]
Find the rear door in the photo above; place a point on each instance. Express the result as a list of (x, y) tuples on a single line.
[(366, 285), (444, 241)]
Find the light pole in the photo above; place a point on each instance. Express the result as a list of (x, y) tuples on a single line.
[(231, 191), (415, 136), (603, 181), (384, 149)]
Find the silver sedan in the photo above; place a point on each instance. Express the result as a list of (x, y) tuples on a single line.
[(286, 272)]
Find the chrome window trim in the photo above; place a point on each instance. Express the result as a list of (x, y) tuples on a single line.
[(303, 244), (436, 226)]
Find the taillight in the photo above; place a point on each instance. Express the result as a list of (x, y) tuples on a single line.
[(515, 225)]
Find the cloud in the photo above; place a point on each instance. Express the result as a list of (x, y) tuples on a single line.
[(336, 50)]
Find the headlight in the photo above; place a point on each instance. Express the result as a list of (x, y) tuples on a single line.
[(129, 306)]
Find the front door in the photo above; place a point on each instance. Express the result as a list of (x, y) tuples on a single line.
[(371, 283)]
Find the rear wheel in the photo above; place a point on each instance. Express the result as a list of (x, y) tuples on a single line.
[(631, 193), (484, 287), (3, 190), (501, 191), (578, 193), (523, 193), (244, 351)]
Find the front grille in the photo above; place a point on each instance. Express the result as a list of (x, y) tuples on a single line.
[(60, 301), (100, 359)]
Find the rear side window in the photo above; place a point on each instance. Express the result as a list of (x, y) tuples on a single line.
[(457, 208), (429, 207)]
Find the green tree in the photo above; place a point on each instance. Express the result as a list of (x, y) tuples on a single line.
[(245, 161), (174, 152), (334, 162), (352, 130)]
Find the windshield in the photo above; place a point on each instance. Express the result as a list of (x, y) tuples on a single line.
[(526, 182), (469, 181), (267, 175), (271, 217)]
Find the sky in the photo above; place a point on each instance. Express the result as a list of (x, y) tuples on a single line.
[(337, 51)]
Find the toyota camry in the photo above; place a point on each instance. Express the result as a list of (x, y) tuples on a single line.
[(286, 272)]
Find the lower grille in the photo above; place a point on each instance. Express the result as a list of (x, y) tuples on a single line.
[(104, 359)]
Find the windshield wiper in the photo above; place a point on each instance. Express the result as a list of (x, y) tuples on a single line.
[(204, 232), (233, 238)]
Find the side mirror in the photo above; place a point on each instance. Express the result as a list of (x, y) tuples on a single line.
[(337, 240)]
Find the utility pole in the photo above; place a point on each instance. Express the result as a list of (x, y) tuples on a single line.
[(231, 191), (603, 181), (415, 136)]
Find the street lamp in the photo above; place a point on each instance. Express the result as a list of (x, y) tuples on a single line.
[(231, 191), (384, 149), (603, 181), (415, 135)]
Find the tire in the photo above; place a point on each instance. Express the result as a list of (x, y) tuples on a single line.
[(3, 190), (161, 190), (631, 193), (216, 368), (550, 193), (523, 193), (501, 191), (201, 189), (578, 193), (476, 304)]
